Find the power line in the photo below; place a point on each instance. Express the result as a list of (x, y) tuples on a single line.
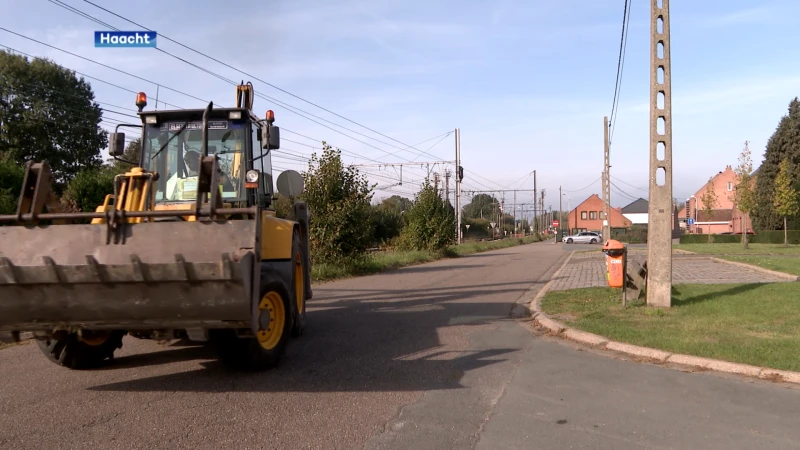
[(623, 43), (583, 189), (625, 182), (249, 75)]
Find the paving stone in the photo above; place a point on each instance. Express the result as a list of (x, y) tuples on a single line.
[(589, 270)]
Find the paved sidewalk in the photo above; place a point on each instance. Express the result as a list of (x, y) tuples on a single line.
[(588, 269)]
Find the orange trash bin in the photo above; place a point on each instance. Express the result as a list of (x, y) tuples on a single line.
[(615, 263)]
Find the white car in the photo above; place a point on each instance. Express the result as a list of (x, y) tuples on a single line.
[(584, 237)]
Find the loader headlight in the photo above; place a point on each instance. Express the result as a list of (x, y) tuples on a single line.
[(251, 179)]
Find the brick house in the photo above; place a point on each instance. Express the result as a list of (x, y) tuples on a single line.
[(588, 216), (725, 218)]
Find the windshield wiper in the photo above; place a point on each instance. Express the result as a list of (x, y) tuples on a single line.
[(183, 127)]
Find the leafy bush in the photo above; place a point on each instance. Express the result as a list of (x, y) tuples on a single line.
[(386, 224), (430, 222), (88, 189), (338, 199)]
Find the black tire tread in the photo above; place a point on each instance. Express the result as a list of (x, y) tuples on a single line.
[(70, 352)]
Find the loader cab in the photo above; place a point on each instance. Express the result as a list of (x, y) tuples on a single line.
[(172, 145)]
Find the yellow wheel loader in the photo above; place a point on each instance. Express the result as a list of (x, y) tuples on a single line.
[(188, 246)]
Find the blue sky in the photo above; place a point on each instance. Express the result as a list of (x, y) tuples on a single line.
[(527, 82)]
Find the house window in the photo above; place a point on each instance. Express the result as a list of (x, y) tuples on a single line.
[(592, 215), (601, 214), (583, 215), (730, 186)]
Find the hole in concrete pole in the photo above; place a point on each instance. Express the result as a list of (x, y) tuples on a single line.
[(660, 24), (660, 75), (660, 50), (660, 150), (661, 176), (660, 126), (660, 100)]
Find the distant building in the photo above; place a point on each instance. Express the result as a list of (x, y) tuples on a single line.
[(637, 212), (725, 218), (588, 216)]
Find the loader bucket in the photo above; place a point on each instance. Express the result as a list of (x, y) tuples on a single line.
[(157, 275)]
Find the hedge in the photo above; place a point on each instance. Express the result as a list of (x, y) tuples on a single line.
[(764, 237)]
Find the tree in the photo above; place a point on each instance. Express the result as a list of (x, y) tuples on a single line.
[(430, 223), (786, 201), (11, 175), (709, 200), (481, 206), (784, 143), (396, 204), (48, 114), (338, 199), (744, 193)]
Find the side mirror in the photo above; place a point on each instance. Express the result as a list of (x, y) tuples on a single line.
[(273, 138), (116, 144)]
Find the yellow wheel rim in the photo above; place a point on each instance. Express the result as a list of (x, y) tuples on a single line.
[(299, 283), (271, 306), (94, 338)]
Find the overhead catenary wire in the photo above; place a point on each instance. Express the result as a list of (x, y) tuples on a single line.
[(288, 107), (197, 98), (623, 43), (250, 75)]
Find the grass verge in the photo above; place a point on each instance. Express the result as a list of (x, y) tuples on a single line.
[(737, 249), (756, 324), (382, 261), (783, 263)]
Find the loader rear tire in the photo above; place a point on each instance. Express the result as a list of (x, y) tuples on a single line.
[(299, 286), (79, 354), (265, 350)]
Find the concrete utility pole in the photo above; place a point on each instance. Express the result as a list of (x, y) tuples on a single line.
[(659, 233), (515, 212), (606, 184), (446, 186), (544, 212), (459, 175), (560, 209), (535, 221)]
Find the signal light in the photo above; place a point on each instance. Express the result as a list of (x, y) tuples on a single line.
[(141, 100), (270, 116)]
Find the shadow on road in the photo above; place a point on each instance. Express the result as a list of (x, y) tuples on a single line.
[(362, 341)]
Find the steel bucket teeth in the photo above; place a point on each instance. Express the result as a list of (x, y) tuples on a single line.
[(159, 275)]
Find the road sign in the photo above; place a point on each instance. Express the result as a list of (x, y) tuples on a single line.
[(690, 221), (492, 224), (555, 223)]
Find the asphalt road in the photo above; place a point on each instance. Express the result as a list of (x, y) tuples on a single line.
[(426, 357)]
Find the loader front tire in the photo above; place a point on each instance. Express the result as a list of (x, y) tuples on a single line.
[(75, 353), (265, 350), (299, 286)]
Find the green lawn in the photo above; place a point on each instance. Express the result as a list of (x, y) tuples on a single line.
[(756, 324), (783, 263), (737, 249), (381, 261)]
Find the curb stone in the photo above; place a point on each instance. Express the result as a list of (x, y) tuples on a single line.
[(561, 330), (758, 269)]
